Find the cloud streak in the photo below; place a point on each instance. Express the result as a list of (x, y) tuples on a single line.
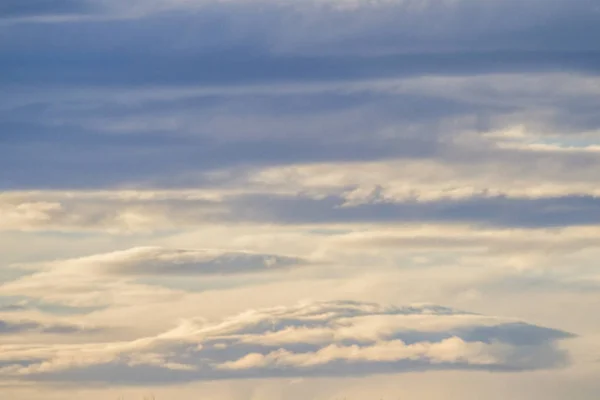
[(15, 326), (148, 261), (115, 278)]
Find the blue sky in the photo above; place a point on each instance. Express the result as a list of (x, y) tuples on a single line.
[(287, 200)]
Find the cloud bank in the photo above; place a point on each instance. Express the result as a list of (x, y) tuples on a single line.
[(331, 338)]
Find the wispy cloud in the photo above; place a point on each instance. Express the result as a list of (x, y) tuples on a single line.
[(163, 261)]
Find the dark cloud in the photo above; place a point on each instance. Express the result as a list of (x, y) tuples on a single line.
[(236, 43), (82, 159), (99, 141), (24, 326), (234, 68), (39, 8), (478, 210), (105, 142)]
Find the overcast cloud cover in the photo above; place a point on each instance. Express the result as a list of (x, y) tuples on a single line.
[(285, 200)]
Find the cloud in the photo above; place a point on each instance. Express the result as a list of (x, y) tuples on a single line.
[(500, 242), (14, 307), (427, 136), (23, 326), (360, 26), (161, 261), (44, 8), (481, 211), (280, 41), (333, 338), (116, 278), (501, 178), (402, 103)]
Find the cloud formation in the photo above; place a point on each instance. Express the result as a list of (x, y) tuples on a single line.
[(332, 338), (162, 261), (116, 278)]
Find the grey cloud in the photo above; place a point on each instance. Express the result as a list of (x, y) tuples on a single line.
[(366, 27), (318, 339), (221, 68), (7, 327), (13, 307), (156, 215), (40, 8), (179, 142), (12, 327), (150, 161), (235, 42), (168, 142), (478, 210), (16, 304), (171, 262), (164, 262)]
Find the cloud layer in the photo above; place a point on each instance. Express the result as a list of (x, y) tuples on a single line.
[(334, 338)]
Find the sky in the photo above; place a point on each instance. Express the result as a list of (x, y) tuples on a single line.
[(299, 200)]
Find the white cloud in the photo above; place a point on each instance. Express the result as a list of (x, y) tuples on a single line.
[(452, 350), (240, 346), (110, 278)]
